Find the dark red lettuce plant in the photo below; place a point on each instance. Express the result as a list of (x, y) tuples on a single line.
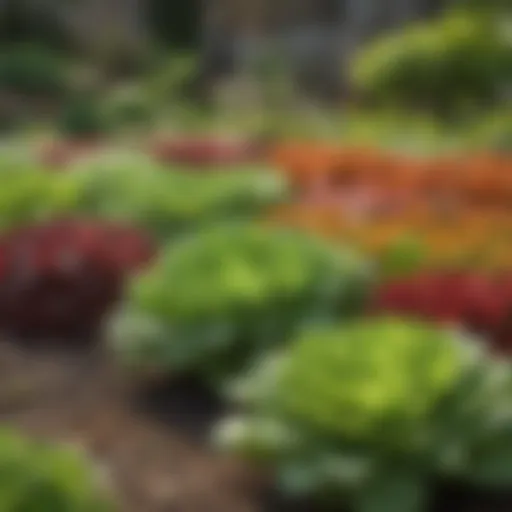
[(59, 279)]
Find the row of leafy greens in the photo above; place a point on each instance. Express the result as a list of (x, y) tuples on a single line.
[(171, 201), (130, 188)]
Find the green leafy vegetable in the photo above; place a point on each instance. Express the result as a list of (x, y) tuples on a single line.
[(32, 194), (387, 374), (227, 293), (376, 409), (35, 477), (171, 202)]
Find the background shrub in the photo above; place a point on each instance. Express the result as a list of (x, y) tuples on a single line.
[(460, 60), (82, 115), (128, 106), (32, 70), (171, 78)]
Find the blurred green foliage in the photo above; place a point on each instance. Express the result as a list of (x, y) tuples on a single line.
[(389, 128), (169, 81), (404, 255), (128, 106), (494, 132), (373, 411), (32, 70), (169, 202), (217, 300), (39, 477), (29, 194), (369, 399), (82, 116), (462, 60)]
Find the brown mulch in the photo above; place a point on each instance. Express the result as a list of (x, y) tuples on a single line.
[(152, 444), (152, 448)]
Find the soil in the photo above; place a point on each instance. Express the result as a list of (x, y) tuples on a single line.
[(152, 446), (152, 443)]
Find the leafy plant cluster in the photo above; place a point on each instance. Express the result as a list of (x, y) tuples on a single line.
[(82, 116), (133, 189), (334, 401), (169, 202), (373, 412), (129, 105), (60, 279), (219, 299), (89, 113), (29, 194), (461, 60), (32, 70), (39, 477)]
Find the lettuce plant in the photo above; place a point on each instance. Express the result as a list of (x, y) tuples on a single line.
[(31, 194), (59, 279), (224, 295), (373, 412), (169, 202), (35, 476)]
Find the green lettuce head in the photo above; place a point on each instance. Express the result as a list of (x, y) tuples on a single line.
[(374, 383), (373, 411), (228, 293)]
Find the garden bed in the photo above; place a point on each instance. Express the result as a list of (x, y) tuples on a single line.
[(152, 444), (154, 453)]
